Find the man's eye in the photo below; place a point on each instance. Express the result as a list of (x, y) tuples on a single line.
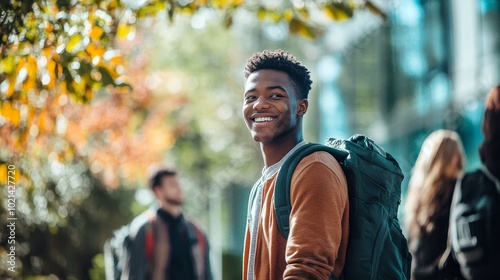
[(276, 95), (249, 98)]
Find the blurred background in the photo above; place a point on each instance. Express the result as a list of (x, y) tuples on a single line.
[(97, 94)]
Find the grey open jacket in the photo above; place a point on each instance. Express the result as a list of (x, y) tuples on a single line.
[(139, 268)]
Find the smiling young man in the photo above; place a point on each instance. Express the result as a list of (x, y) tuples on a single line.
[(275, 101)]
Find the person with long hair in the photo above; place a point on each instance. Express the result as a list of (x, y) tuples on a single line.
[(439, 164)]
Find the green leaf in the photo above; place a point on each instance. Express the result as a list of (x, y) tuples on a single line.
[(127, 85), (106, 77), (261, 13), (294, 25), (63, 4), (338, 11), (297, 26), (85, 68), (374, 9), (228, 20), (68, 78), (7, 65)]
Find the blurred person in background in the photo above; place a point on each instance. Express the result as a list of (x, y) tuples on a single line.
[(439, 164), (489, 150), (475, 216), (166, 245)]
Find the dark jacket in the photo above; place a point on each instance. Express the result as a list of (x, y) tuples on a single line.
[(475, 225), (141, 267), (428, 249)]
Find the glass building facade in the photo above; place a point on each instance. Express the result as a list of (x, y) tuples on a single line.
[(428, 66)]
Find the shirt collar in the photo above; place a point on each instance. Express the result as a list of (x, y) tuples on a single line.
[(271, 170)]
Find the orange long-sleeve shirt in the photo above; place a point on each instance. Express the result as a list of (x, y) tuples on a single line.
[(319, 225)]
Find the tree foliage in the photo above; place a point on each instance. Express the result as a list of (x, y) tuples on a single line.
[(66, 170), (68, 44)]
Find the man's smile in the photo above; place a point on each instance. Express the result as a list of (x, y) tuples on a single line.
[(263, 119)]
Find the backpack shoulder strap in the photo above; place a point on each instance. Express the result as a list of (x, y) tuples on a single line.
[(282, 203), (201, 239), (149, 236)]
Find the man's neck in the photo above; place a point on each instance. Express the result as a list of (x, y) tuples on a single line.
[(274, 152), (173, 210)]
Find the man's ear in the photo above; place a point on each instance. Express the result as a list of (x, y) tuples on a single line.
[(156, 191), (302, 106)]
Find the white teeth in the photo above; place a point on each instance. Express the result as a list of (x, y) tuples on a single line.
[(266, 119)]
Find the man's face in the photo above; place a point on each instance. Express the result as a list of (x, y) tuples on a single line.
[(271, 106), (170, 191)]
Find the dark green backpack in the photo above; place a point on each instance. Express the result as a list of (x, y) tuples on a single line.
[(376, 246)]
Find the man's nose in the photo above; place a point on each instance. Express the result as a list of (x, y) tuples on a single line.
[(261, 103)]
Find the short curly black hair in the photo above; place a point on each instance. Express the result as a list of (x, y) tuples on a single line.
[(282, 61), (155, 180)]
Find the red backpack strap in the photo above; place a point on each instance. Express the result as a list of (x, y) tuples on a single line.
[(201, 239), (149, 237), (195, 232)]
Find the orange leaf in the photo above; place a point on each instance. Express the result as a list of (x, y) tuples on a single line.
[(45, 123), (96, 33), (9, 176), (10, 113), (51, 67), (47, 52), (3, 174)]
